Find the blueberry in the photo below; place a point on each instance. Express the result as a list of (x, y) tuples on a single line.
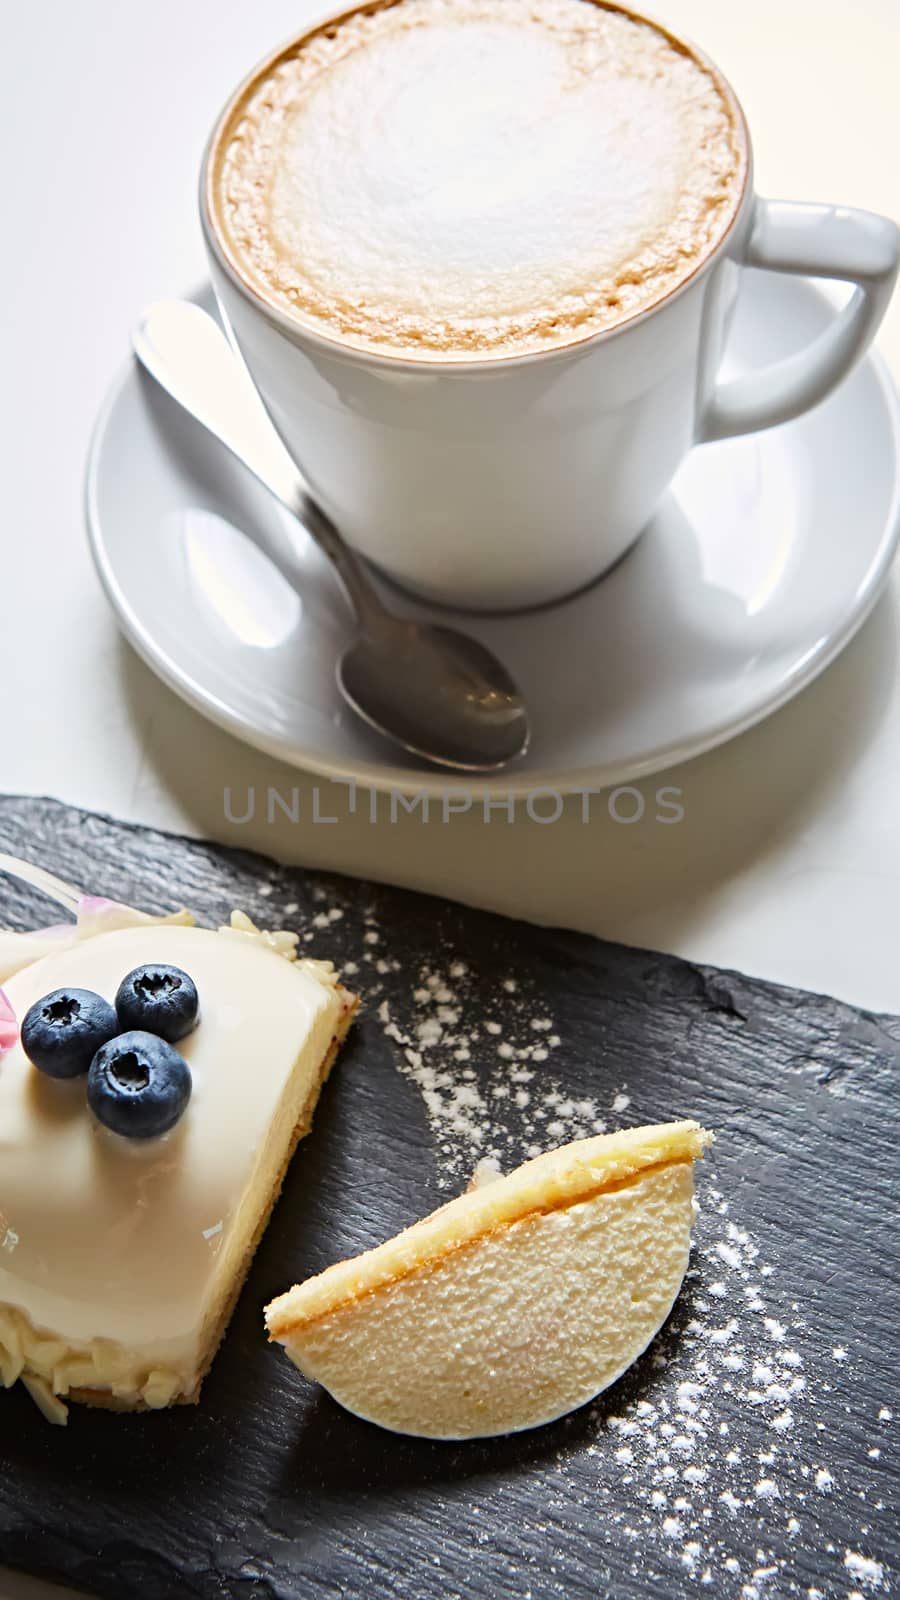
[(159, 1000), (63, 1032), (138, 1085)]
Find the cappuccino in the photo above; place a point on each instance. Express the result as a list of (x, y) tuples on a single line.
[(473, 179)]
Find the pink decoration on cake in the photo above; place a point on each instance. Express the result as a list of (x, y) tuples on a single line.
[(9, 1027)]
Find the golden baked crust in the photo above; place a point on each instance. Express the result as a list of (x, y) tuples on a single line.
[(552, 1181)]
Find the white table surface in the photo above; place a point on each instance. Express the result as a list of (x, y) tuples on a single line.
[(787, 862)]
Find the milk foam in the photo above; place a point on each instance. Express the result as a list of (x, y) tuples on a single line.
[(477, 177)]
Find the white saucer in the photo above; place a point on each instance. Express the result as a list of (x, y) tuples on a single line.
[(765, 559)]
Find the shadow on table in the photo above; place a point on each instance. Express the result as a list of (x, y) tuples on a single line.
[(741, 802)]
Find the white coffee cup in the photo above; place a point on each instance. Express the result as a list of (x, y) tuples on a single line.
[(504, 483)]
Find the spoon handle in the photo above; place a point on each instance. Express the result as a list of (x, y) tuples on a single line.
[(370, 612), (189, 355)]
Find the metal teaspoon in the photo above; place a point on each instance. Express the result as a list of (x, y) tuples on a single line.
[(431, 689)]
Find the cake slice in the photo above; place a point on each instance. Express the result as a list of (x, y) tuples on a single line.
[(121, 1258), (513, 1304)]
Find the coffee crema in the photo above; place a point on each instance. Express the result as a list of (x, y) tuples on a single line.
[(465, 179)]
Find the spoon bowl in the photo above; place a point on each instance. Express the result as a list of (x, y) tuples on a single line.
[(439, 693)]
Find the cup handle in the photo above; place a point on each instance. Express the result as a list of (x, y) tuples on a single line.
[(819, 242)]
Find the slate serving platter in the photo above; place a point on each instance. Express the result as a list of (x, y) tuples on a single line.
[(746, 1454)]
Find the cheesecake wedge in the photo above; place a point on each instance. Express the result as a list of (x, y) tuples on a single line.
[(513, 1304), (121, 1258)]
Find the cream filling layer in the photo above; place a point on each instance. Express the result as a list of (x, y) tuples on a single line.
[(116, 1256)]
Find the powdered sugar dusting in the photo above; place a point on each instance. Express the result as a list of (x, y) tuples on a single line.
[(868, 1573), (732, 1430), (474, 1113), (715, 1436)]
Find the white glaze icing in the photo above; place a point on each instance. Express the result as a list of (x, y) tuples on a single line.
[(116, 1256), (93, 915)]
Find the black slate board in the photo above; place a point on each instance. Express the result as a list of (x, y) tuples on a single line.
[(745, 1455)]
